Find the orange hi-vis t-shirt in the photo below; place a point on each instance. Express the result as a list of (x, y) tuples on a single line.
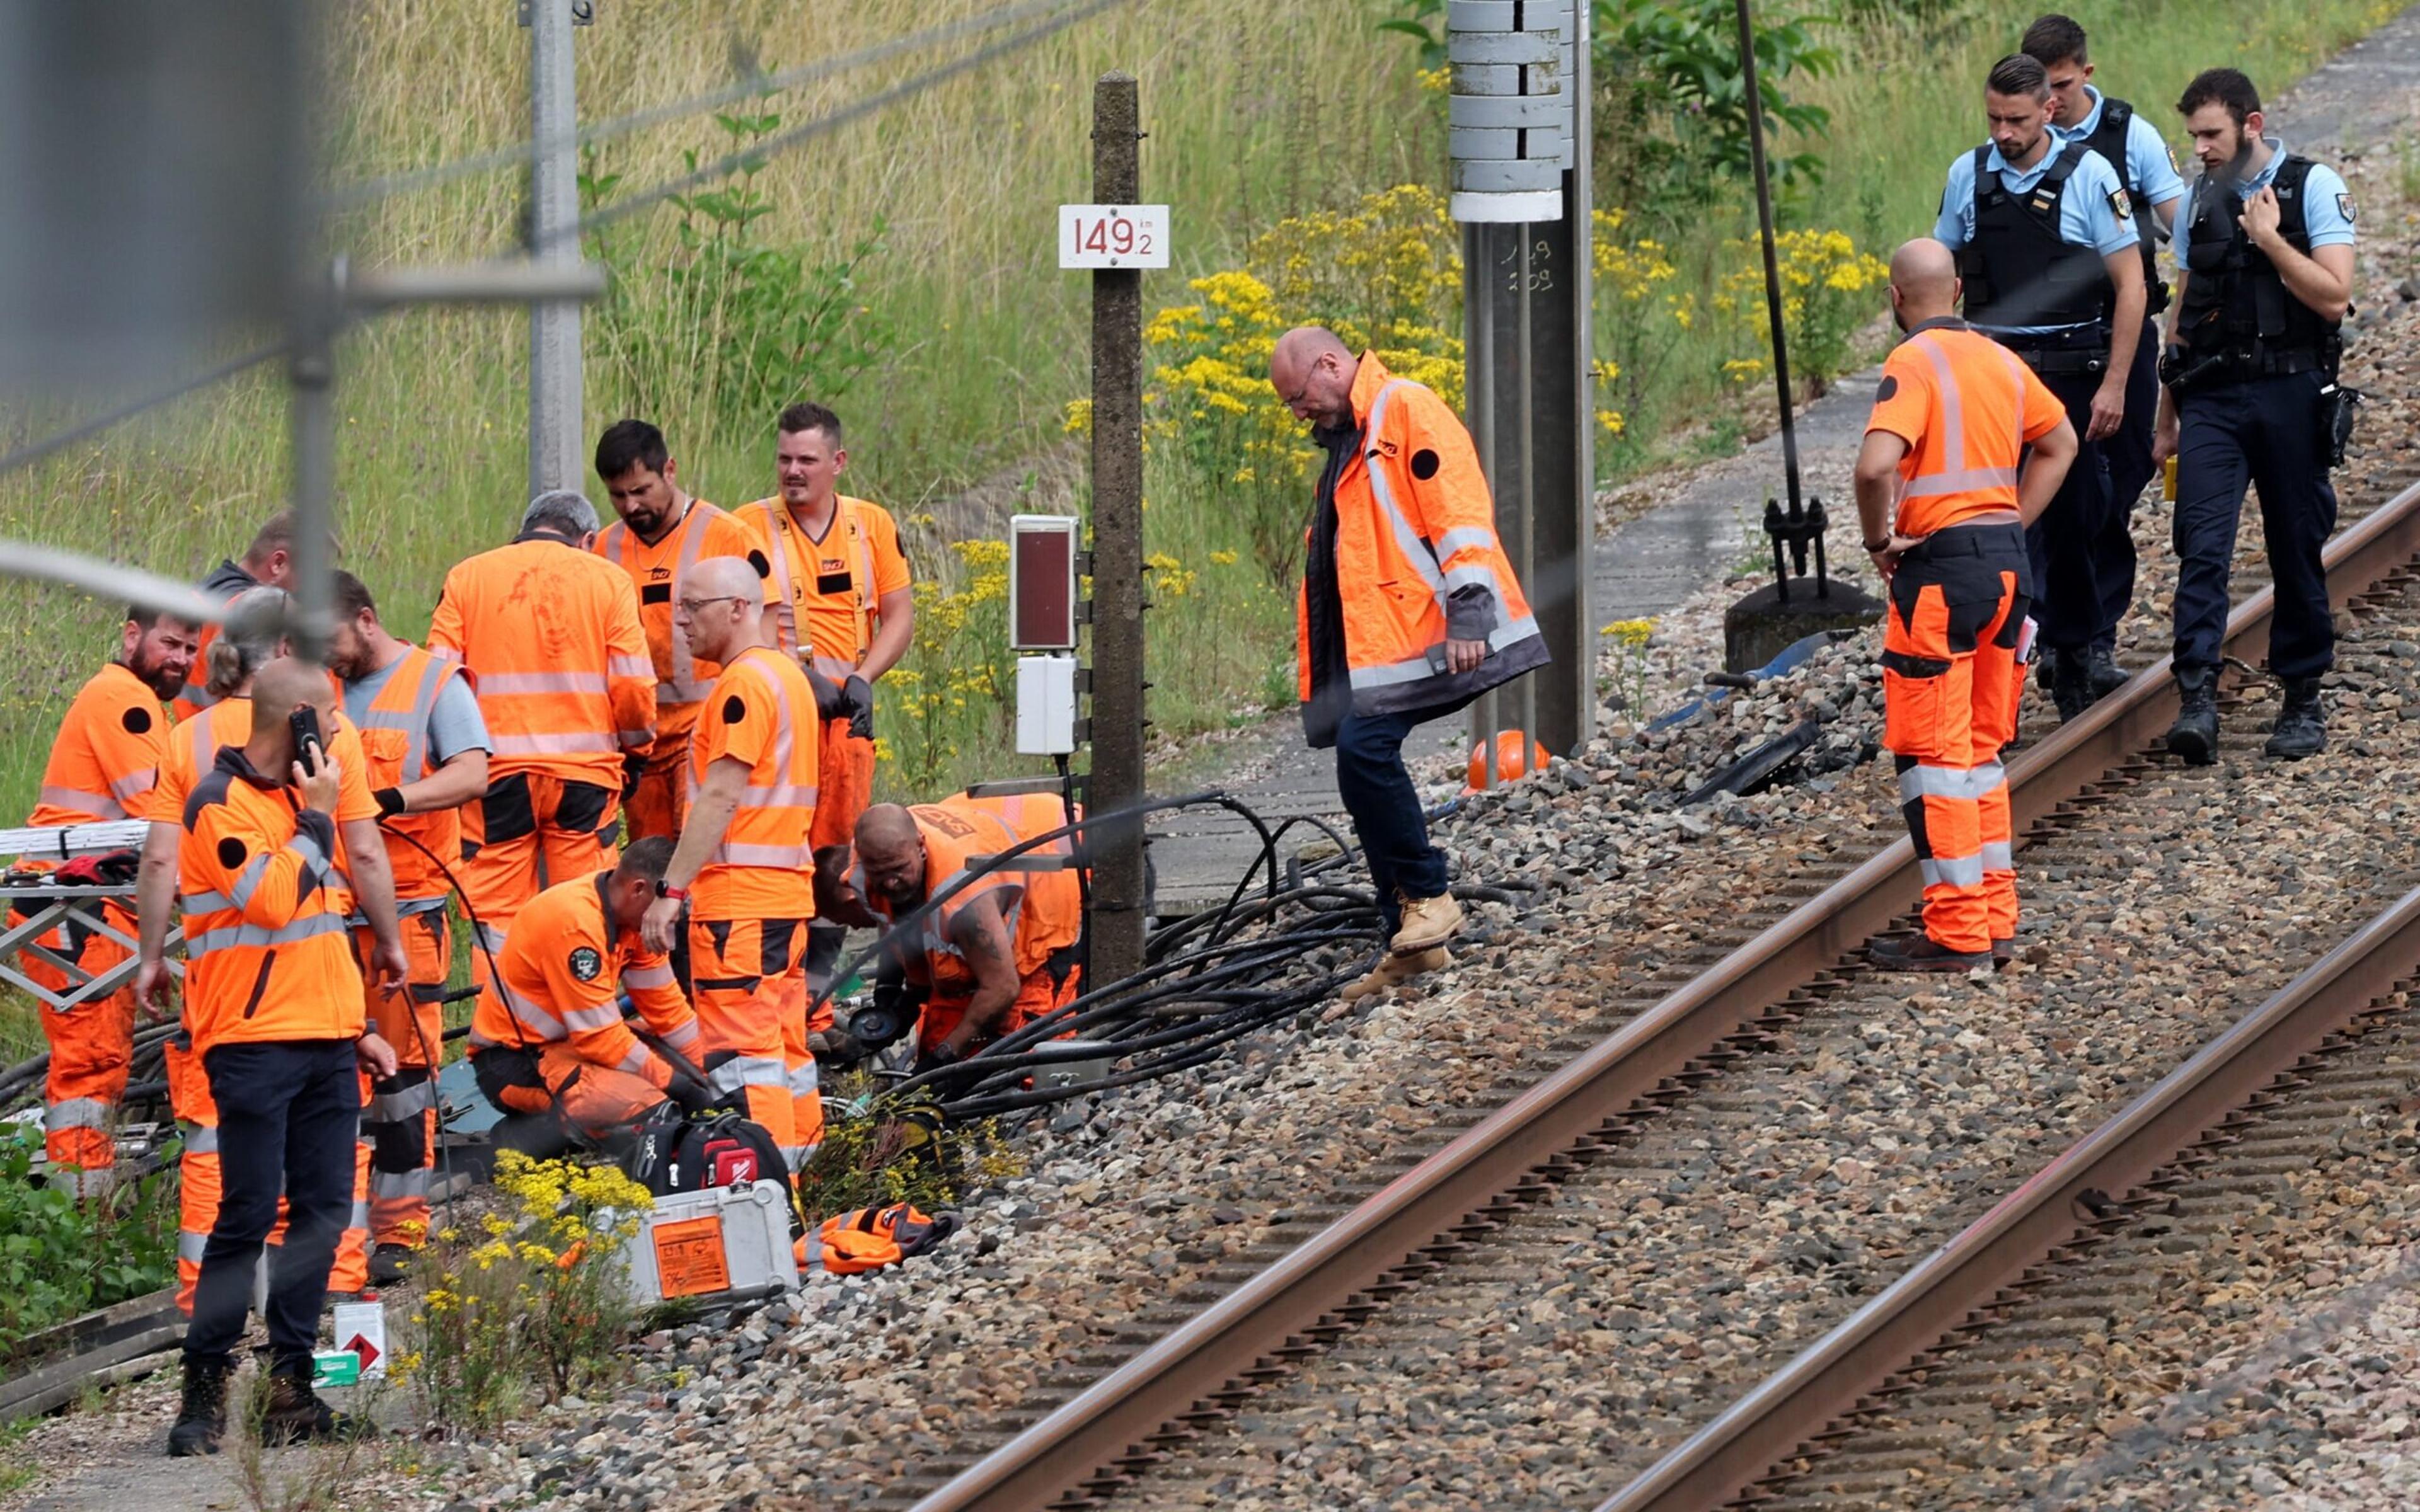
[(829, 590), (1967, 407), (658, 571), (762, 711), (105, 762)]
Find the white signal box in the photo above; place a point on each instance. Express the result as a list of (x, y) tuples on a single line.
[(1045, 705), (1041, 582)]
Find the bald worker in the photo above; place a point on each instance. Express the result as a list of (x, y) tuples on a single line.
[(1408, 610)]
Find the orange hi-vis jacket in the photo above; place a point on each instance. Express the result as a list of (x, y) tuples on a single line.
[(268, 953), (658, 572), (550, 637), (761, 712), (827, 595), (1966, 407), (105, 760), (394, 743), (195, 744), (564, 967), (1047, 916), (1415, 541)]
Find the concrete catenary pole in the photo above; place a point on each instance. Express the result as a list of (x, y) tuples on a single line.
[(1117, 716), (554, 415)]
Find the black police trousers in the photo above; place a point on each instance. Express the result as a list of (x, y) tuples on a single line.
[(2131, 470), (2266, 432), (2064, 544)]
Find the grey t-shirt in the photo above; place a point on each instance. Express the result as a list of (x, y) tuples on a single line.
[(454, 724)]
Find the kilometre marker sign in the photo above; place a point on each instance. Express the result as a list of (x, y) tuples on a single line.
[(1112, 235)]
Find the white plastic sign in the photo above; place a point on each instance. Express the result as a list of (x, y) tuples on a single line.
[(1112, 235)]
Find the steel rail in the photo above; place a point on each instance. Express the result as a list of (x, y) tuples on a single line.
[(1110, 1420), (1826, 1381)]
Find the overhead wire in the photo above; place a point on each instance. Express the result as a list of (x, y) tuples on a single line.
[(34, 451)]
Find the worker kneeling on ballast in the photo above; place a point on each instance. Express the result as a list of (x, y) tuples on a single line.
[(1001, 947), (551, 1048)]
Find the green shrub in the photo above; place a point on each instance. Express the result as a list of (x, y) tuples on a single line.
[(59, 1258)]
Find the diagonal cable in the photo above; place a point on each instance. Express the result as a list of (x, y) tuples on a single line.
[(822, 125), (353, 196)]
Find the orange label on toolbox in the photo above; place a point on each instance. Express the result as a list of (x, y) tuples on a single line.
[(689, 1257)]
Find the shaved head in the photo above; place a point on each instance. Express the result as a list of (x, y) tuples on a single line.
[(721, 609), (279, 689), (1923, 282), (891, 849), (1313, 369)]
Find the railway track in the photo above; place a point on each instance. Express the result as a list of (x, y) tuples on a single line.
[(1169, 1389)]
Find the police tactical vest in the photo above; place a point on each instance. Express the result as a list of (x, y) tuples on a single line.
[(2235, 303), (2109, 140), (2019, 270)]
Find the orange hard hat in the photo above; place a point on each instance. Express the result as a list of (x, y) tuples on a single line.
[(1509, 760)]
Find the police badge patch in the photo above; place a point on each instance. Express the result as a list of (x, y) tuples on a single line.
[(2344, 204), (585, 964), (2120, 206)]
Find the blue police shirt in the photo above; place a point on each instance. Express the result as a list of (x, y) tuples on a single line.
[(2327, 205), (2149, 165), (2087, 214)]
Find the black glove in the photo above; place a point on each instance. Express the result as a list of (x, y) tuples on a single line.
[(857, 700), (691, 1091), (934, 1059), (634, 765), (830, 702)]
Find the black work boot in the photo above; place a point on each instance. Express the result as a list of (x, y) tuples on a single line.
[(2101, 672), (201, 1414), (390, 1264), (295, 1413), (2301, 729), (2195, 735), (1923, 953), (2071, 687)]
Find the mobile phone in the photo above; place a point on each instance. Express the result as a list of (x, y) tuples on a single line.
[(304, 722)]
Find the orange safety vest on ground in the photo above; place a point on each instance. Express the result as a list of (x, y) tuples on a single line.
[(827, 595), (268, 954), (224, 583), (550, 637), (1413, 524), (104, 761), (657, 573), (395, 744), (1047, 917), (1966, 407), (563, 969), (761, 712)]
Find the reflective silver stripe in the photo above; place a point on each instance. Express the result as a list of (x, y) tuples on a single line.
[(361, 1216), (633, 739), (584, 743), (789, 858), (1408, 540), (91, 803), (591, 1019), (802, 1077), (394, 1107), (795, 1156), (648, 977), (1953, 407), (249, 934), (95, 1182), (781, 795), (1462, 537), (1470, 573), (135, 784), (189, 1245), (508, 683), (1998, 855), (637, 1057), (622, 664), (747, 1071), (1969, 480), (1414, 668), (683, 1039), (791, 719), (205, 902), (530, 1017), (77, 1113), (1963, 783), (390, 1186), (201, 1138), (778, 554), (247, 881), (446, 653), (414, 720), (1959, 872), (839, 668)]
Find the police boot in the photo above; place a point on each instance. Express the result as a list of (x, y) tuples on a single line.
[(295, 1415), (2101, 672), (2070, 685), (201, 1414), (2195, 735), (2300, 730)]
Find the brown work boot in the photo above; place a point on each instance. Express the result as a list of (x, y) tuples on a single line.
[(295, 1415), (1392, 971), (201, 1414), (1428, 922)]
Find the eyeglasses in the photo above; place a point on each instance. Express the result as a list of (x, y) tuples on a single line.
[(690, 606), (1291, 400)]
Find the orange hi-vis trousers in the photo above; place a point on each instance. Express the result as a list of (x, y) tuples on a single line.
[(400, 1123), (1951, 684), (91, 1046), (199, 1184), (529, 832), (749, 983)]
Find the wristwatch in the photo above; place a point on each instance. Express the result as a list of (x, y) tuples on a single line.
[(1883, 545), (665, 890)]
